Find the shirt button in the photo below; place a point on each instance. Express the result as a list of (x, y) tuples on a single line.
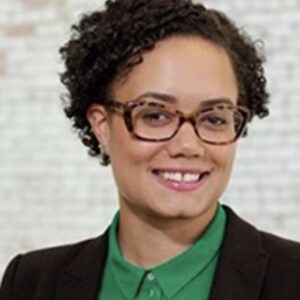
[(150, 276)]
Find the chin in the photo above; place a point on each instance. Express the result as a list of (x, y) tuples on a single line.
[(184, 212)]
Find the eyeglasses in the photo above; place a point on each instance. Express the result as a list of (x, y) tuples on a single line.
[(149, 119)]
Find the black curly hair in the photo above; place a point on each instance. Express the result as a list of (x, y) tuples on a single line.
[(106, 45)]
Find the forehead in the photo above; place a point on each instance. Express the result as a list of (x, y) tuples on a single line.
[(187, 67)]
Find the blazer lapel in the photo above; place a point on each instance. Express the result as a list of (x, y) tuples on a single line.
[(239, 275), (242, 262), (81, 279)]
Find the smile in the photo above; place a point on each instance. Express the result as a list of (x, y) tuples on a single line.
[(181, 180), (179, 176)]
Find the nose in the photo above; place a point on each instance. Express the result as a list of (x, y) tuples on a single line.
[(185, 143)]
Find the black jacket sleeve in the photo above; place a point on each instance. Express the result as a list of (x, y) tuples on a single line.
[(7, 285)]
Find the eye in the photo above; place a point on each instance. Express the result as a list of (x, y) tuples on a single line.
[(215, 121), (155, 117)]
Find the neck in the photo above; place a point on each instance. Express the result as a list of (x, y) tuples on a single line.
[(147, 242)]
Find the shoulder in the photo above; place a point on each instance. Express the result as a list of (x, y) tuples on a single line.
[(256, 263), (252, 241), (42, 268), (280, 247), (283, 267), (283, 255), (52, 257)]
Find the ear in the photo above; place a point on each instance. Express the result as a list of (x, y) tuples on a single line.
[(99, 121)]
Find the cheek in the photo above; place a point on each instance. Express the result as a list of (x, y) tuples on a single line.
[(223, 157)]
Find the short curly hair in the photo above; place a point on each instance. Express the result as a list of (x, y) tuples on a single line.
[(105, 45)]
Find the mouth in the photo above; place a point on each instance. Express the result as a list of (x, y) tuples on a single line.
[(181, 180), (181, 176)]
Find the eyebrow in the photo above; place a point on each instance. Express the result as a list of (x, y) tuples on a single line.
[(160, 96), (172, 99)]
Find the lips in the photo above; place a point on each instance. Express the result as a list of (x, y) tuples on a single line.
[(181, 180)]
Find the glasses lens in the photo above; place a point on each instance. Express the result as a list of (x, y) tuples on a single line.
[(221, 124), (154, 121)]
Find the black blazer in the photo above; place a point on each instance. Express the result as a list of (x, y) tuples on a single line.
[(252, 266)]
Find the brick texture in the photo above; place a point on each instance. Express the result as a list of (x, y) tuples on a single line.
[(52, 193)]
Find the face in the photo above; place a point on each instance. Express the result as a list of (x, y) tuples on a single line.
[(151, 176)]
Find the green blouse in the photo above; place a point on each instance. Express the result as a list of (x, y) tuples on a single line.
[(188, 275)]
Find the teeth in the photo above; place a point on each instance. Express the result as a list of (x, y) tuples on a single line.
[(177, 176), (190, 177)]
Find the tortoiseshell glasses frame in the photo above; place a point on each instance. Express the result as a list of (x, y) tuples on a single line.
[(155, 121)]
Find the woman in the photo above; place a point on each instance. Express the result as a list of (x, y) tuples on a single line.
[(162, 90)]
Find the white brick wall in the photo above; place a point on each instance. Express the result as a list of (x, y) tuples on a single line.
[(52, 193)]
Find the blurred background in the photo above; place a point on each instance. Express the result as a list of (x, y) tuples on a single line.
[(51, 192)]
